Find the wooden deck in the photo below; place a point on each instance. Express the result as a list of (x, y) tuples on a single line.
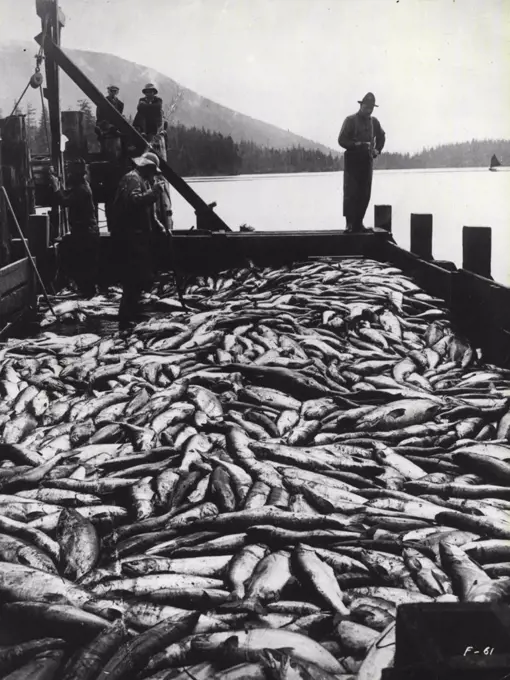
[(17, 291)]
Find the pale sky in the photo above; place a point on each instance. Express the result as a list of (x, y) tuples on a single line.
[(440, 69)]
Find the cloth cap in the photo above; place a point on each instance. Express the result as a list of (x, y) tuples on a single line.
[(150, 87), (369, 98), (113, 87), (144, 162)]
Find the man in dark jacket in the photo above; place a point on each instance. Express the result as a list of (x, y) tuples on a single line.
[(363, 139), (134, 227), (79, 250), (149, 113), (112, 97), (104, 129)]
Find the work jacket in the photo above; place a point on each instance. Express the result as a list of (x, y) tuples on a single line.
[(149, 115), (358, 128), (133, 229), (102, 112), (133, 206)]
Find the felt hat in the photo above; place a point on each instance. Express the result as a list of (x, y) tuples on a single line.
[(144, 162), (152, 157), (369, 98), (150, 87)]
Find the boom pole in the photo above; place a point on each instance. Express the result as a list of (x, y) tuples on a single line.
[(206, 217), (53, 19)]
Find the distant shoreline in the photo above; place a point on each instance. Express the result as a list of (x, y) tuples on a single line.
[(248, 176)]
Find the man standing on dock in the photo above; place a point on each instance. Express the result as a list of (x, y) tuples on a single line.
[(134, 227), (363, 139)]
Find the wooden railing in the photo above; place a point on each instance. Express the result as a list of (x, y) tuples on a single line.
[(479, 305)]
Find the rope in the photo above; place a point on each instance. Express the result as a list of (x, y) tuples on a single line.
[(34, 78), (22, 95)]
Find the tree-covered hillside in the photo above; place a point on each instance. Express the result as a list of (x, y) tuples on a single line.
[(194, 151), (473, 154)]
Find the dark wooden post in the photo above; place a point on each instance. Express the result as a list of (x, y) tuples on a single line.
[(421, 236), (53, 20), (477, 250), (37, 234), (5, 240), (382, 217), (17, 174), (73, 127)]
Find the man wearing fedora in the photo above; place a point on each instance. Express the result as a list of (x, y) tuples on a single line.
[(134, 229), (149, 113), (363, 139)]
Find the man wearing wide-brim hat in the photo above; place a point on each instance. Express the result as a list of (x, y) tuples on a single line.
[(149, 112), (363, 139), (134, 230)]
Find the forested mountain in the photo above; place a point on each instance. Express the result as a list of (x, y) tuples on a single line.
[(199, 152), (473, 154), (182, 105)]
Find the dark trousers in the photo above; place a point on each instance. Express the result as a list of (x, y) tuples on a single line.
[(129, 308), (358, 170), (136, 274), (79, 261)]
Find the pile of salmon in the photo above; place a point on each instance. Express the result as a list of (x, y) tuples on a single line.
[(249, 488)]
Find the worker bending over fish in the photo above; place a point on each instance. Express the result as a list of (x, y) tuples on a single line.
[(79, 250), (363, 139), (134, 229)]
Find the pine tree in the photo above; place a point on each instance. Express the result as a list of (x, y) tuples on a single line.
[(16, 111), (31, 125), (89, 124), (41, 135)]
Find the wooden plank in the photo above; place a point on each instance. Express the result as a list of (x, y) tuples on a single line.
[(477, 249), (44, 6), (486, 303), (16, 158), (16, 301), (421, 235), (5, 236), (14, 275), (382, 217), (201, 252), (433, 279)]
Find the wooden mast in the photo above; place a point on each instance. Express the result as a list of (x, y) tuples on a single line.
[(52, 20)]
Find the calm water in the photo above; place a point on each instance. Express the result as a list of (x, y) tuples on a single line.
[(455, 198)]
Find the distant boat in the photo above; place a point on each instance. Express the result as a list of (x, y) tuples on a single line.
[(495, 164)]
